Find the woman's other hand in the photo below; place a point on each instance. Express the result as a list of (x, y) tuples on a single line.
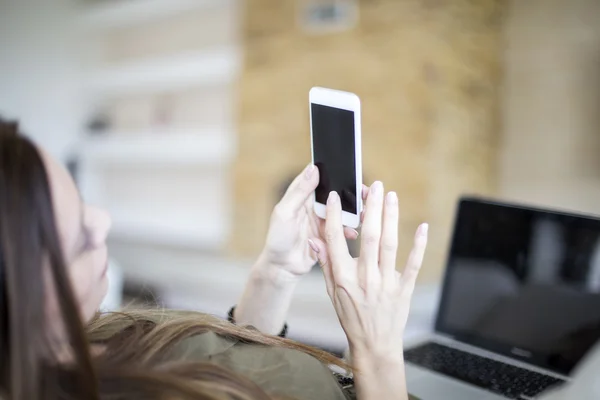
[(371, 298), (294, 226)]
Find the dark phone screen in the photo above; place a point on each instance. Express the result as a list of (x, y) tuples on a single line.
[(334, 154)]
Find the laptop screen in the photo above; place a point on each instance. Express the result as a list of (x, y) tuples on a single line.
[(524, 283)]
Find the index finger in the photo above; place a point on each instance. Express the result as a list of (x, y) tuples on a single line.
[(334, 231)]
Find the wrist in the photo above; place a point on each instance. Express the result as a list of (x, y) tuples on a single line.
[(380, 376), (266, 298), (367, 360), (267, 272)]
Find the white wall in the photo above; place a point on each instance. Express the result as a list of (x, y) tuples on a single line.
[(39, 72), (551, 140)]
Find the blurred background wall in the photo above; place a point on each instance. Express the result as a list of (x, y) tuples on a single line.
[(187, 118), (39, 72), (551, 126), (428, 74)]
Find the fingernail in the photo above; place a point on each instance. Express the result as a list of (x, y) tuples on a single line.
[(313, 246), (354, 232), (423, 229), (391, 198), (309, 171), (333, 198), (377, 188)]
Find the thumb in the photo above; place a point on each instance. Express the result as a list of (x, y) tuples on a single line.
[(300, 190), (320, 249)]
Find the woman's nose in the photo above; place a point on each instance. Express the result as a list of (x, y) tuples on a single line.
[(101, 223), (107, 223)]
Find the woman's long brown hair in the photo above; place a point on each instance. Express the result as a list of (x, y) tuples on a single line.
[(136, 360)]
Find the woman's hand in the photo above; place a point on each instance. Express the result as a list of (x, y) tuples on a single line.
[(293, 226), (287, 256), (371, 298)]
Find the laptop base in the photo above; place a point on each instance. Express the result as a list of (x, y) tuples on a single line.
[(427, 385)]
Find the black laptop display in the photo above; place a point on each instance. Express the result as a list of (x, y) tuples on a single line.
[(523, 282)]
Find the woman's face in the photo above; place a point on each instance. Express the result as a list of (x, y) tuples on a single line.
[(83, 230)]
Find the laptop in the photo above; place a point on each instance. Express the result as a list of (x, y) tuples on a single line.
[(519, 307)]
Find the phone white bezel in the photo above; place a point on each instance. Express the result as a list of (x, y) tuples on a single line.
[(345, 101)]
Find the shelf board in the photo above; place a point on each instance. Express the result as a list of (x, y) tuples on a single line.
[(160, 148), (119, 13), (217, 66), (188, 234)]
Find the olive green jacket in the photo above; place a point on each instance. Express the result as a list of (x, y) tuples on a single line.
[(279, 371)]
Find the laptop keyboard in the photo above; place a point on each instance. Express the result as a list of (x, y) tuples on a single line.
[(504, 379)]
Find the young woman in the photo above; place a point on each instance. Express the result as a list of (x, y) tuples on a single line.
[(54, 345)]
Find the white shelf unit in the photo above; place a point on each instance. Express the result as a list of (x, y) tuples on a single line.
[(190, 233), (166, 149), (113, 14), (163, 186), (175, 204), (210, 67)]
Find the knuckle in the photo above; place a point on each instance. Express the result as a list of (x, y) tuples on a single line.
[(392, 209), (346, 283), (389, 246), (280, 212), (364, 286), (331, 235), (417, 259), (304, 187), (397, 276), (406, 294), (278, 209), (370, 239), (413, 269)]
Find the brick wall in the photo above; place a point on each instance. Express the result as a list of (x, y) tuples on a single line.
[(428, 73)]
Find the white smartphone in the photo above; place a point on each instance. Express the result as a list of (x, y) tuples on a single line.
[(336, 150)]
